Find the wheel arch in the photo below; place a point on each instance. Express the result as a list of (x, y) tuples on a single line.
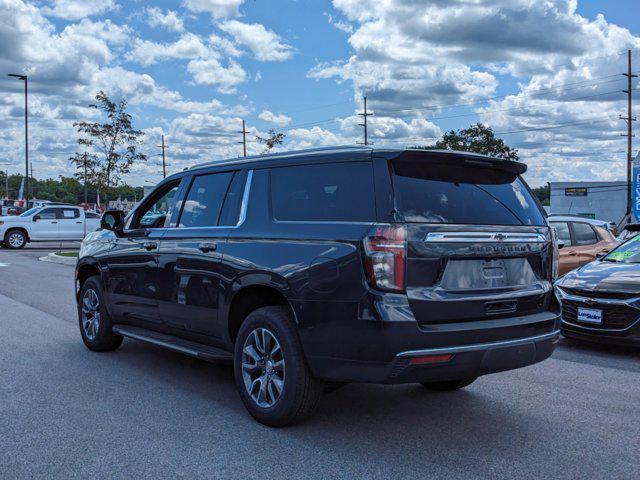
[(86, 268), (21, 228), (251, 292)]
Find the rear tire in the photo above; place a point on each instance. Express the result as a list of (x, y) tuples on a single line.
[(271, 372), (93, 318), (15, 239), (449, 385)]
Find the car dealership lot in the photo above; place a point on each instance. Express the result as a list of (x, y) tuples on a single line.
[(143, 411)]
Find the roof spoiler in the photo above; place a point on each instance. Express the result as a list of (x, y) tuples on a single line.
[(468, 158)]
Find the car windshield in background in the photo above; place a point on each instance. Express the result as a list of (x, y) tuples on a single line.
[(442, 192), (628, 252), (30, 211)]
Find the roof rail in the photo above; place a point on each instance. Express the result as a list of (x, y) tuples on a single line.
[(270, 156)]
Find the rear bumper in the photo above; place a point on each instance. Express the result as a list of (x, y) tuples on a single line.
[(385, 348)]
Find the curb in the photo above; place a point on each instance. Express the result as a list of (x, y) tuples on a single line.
[(55, 258)]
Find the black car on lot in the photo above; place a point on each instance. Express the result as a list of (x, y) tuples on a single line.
[(312, 269), (601, 301)]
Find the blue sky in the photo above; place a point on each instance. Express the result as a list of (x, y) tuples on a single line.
[(541, 73)]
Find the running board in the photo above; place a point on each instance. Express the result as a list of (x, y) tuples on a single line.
[(198, 350)]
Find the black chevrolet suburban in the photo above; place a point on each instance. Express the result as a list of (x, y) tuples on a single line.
[(308, 270)]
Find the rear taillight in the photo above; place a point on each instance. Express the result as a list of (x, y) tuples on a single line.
[(385, 250)]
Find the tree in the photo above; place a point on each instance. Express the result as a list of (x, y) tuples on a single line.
[(477, 138), (271, 140), (113, 145), (543, 193)]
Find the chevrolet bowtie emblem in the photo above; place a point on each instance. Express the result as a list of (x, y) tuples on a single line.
[(499, 236)]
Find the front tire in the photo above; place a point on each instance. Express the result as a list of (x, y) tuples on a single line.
[(450, 385), (93, 318), (15, 239), (271, 373)]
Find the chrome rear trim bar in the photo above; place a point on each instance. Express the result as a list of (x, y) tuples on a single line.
[(492, 237)]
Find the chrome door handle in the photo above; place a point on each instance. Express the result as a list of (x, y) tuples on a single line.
[(150, 245), (208, 247)]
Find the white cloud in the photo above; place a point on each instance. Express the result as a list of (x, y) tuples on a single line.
[(77, 9), (339, 24), (212, 72), (169, 20), (265, 44), (270, 117), (217, 8), (188, 46)]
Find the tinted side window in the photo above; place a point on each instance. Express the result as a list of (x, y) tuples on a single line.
[(230, 214), (328, 192), (50, 213), (562, 229), (69, 213), (204, 200), (155, 210), (584, 234)]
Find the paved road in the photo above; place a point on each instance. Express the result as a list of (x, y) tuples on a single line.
[(66, 412)]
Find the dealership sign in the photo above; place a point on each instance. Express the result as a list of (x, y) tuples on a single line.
[(635, 189)]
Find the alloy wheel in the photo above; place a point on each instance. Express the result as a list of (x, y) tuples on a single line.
[(16, 239), (90, 313), (263, 367)]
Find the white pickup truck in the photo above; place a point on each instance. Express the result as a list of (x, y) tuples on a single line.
[(53, 222)]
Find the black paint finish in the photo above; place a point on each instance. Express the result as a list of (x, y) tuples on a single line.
[(187, 283)]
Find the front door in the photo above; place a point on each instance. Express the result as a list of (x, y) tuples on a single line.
[(132, 263), (568, 255), (191, 254), (45, 225)]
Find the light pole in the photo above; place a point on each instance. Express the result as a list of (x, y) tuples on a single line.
[(26, 136)]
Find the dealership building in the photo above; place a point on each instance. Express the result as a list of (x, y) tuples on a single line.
[(600, 200)]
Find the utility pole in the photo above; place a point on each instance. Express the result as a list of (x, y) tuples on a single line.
[(85, 180), (26, 135), (244, 138), (629, 119), (6, 181), (33, 185), (365, 115), (164, 164)]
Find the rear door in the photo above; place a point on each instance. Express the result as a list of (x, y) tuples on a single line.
[(477, 242), (190, 253), (70, 224)]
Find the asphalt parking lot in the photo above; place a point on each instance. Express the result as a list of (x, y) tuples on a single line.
[(144, 412)]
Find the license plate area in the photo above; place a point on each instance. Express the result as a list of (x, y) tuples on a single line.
[(589, 315), (472, 274)]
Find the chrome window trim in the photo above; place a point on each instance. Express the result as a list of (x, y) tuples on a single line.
[(479, 346), (485, 237), (243, 210)]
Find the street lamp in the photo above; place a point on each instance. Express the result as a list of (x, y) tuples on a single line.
[(26, 137)]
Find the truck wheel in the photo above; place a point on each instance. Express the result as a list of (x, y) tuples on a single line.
[(95, 323), (449, 385), (15, 239), (271, 372)]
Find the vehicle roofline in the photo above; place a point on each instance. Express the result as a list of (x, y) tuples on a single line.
[(339, 153)]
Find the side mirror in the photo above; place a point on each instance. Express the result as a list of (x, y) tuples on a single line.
[(113, 220), (560, 244), (36, 218), (601, 255)]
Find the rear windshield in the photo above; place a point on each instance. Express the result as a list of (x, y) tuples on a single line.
[(447, 192)]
